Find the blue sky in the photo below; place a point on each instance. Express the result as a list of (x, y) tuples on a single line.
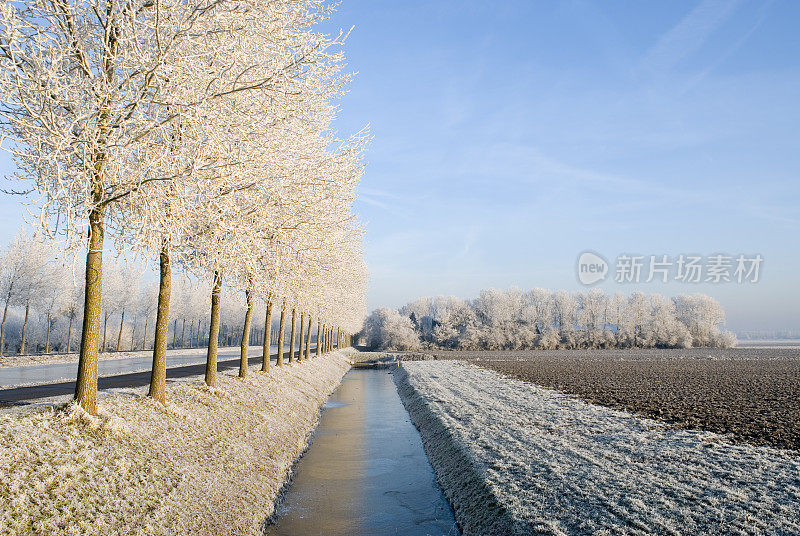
[(510, 136)]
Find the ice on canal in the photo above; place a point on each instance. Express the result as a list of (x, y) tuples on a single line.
[(365, 472)]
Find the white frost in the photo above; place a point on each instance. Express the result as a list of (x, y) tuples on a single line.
[(514, 458)]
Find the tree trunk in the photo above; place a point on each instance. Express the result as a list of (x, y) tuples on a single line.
[(213, 334), (266, 345), (308, 337), (174, 331), (3, 323), (47, 338), (300, 340), (144, 337), (320, 328), (248, 316), (291, 339), (3, 330), (69, 331), (24, 327), (105, 327), (191, 334), (280, 335), (133, 335), (119, 335), (86, 384), (158, 374)]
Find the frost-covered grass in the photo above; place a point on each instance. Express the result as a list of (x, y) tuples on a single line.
[(211, 462), (514, 458)]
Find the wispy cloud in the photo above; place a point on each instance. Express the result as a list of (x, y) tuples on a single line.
[(688, 35), (762, 15), (399, 205), (370, 201), (377, 193)]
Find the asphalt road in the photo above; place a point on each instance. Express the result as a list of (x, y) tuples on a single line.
[(32, 393), (140, 362)]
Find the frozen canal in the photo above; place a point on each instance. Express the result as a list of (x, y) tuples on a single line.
[(365, 472)]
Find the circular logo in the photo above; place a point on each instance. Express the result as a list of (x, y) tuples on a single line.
[(592, 268)]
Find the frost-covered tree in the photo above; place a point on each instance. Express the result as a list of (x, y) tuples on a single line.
[(500, 315), (73, 306), (20, 275), (53, 297), (703, 316), (115, 297), (666, 331), (387, 329), (540, 305), (565, 310), (23, 279), (454, 320), (145, 307), (616, 316), (639, 321), (591, 316)]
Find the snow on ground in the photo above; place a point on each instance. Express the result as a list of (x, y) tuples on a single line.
[(211, 462), (514, 458)]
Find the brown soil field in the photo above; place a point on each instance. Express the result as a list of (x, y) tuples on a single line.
[(752, 394)]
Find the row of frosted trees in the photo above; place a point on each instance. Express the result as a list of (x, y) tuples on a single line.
[(540, 318), (197, 133)]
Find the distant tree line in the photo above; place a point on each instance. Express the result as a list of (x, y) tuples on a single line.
[(540, 318)]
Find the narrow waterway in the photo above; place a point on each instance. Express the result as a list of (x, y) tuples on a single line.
[(365, 472)]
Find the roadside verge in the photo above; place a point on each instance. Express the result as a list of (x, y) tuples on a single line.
[(211, 462)]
